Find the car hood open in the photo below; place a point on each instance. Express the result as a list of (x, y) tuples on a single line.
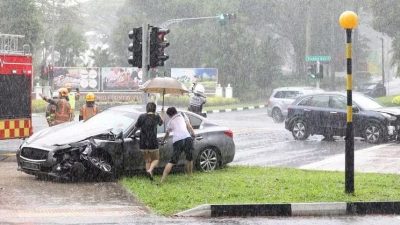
[(395, 111), (63, 134)]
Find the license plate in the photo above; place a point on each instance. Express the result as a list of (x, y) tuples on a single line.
[(30, 166)]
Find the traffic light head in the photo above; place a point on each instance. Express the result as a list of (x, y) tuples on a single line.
[(158, 43), (225, 17), (135, 59), (312, 70)]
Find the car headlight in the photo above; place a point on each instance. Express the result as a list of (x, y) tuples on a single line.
[(389, 117)]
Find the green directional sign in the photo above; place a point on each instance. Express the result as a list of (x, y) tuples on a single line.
[(315, 58)]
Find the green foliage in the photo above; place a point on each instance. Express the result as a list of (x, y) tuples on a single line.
[(69, 42), (238, 184), (39, 106), (102, 57), (21, 17), (183, 101), (389, 101), (386, 20)]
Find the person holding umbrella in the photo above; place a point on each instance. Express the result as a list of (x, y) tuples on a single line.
[(147, 124)]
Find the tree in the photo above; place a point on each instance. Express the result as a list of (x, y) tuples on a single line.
[(387, 21), (102, 57), (69, 43), (21, 17)]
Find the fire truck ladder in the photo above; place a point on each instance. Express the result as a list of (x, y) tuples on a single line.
[(9, 44)]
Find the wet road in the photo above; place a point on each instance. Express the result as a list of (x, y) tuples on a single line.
[(259, 141)]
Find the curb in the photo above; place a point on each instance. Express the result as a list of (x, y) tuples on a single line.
[(293, 209), (236, 109)]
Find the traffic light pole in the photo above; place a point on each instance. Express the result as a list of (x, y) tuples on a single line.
[(145, 51), (172, 21)]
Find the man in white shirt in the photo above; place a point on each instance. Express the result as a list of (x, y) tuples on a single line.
[(182, 141)]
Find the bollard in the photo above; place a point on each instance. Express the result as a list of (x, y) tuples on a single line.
[(38, 91), (218, 90), (228, 91)]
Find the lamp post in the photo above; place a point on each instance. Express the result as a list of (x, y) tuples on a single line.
[(349, 20)]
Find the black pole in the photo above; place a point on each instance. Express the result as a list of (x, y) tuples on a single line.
[(349, 148)]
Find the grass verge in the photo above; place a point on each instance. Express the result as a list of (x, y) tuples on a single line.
[(239, 184), (230, 106)]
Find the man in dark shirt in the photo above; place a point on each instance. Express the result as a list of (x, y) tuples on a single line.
[(147, 124)]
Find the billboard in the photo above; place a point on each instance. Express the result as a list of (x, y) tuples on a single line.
[(86, 79), (121, 78), (208, 77)]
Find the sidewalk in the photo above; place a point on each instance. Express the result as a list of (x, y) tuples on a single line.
[(384, 158)]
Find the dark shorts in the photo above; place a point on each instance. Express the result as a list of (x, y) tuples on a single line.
[(180, 146)]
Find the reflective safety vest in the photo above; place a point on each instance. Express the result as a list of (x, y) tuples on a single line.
[(63, 112), (87, 112), (71, 99)]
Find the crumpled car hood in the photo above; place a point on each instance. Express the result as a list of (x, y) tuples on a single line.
[(64, 134), (390, 110)]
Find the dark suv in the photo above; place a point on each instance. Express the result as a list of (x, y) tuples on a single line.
[(325, 114)]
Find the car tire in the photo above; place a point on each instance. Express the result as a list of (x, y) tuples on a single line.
[(208, 159), (373, 133), (300, 130), (277, 116)]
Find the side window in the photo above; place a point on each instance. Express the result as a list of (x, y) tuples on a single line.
[(337, 102), (278, 94), (305, 102), (320, 101), (291, 94)]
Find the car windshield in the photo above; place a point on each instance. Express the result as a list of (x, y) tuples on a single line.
[(365, 102), (114, 119)]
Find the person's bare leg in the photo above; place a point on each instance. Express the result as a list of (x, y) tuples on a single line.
[(167, 170), (189, 168), (153, 165)]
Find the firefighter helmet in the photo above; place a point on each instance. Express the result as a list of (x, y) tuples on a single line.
[(90, 97), (63, 92)]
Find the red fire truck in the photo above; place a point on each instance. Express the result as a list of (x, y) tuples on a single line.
[(15, 88)]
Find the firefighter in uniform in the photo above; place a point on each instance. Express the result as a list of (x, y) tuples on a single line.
[(63, 109), (73, 97), (51, 111), (89, 109), (197, 100)]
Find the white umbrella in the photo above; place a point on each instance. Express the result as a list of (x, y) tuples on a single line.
[(164, 85)]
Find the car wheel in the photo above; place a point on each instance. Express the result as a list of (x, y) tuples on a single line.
[(208, 160), (373, 133), (277, 115), (300, 130)]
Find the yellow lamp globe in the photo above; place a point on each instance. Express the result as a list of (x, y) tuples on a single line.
[(348, 20)]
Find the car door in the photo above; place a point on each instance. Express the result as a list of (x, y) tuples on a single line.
[(337, 115), (133, 157), (319, 111)]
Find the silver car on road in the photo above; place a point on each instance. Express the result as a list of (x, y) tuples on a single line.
[(282, 97)]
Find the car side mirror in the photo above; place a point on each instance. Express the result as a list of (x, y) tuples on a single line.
[(355, 109), (120, 135)]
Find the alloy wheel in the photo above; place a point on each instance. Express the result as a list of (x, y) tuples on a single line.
[(299, 130), (372, 134), (277, 116), (208, 160)]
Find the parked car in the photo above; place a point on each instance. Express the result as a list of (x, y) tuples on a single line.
[(325, 114), (372, 89), (105, 146), (282, 97)]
